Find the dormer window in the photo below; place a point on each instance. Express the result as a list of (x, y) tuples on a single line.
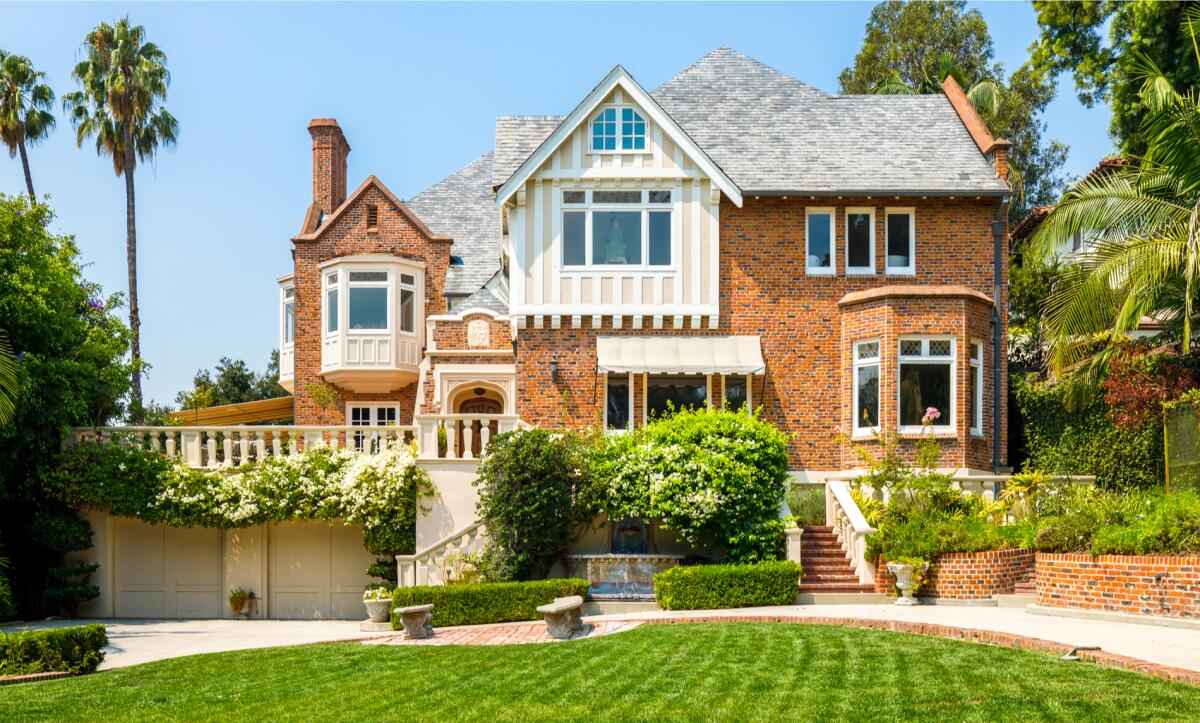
[(618, 128)]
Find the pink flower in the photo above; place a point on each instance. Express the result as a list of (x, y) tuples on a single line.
[(931, 415)]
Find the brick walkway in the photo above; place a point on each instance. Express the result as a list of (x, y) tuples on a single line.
[(506, 634)]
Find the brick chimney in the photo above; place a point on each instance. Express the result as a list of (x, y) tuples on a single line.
[(994, 149), (330, 150)]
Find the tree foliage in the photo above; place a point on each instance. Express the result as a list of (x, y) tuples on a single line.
[(69, 348), (1105, 69), (232, 382), (26, 117), (911, 47)]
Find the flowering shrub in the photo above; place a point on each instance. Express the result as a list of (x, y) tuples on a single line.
[(378, 491), (1085, 519), (716, 478), (535, 495)]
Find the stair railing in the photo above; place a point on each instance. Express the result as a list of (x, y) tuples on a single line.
[(850, 526), (435, 564)]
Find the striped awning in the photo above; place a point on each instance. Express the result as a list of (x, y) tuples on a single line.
[(680, 354)]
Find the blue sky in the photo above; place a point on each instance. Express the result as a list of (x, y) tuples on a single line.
[(415, 88)]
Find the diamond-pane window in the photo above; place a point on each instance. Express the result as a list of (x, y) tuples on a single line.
[(910, 347)]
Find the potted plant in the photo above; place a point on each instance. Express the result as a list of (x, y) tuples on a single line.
[(378, 599), (909, 576), (239, 602)]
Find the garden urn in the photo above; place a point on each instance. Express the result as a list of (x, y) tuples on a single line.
[(377, 610), (904, 582)]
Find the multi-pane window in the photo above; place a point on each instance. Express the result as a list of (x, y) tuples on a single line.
[(368, 300), (618, 128), (819, 239), (975, 399), (860, 241), (616, 228), (371, 415), (616, 405), (926, 383), (901, 241), (289, 315), (668, 393), (331, 303), (408, 303), (865, 403), (737, 393)]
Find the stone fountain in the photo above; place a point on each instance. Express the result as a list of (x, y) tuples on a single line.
[(627, 571)]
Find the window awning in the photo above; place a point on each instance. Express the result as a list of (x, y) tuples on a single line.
[(680, 355)]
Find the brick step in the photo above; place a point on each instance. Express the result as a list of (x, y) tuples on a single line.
[(836, 554), (1025, 588), (812, 539), (818, 528), (822, 576), (835, 587), (806, 549)]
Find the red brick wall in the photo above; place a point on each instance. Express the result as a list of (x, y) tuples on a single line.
[(1120, 583), (764, 292), (396, 235), (967, 575)]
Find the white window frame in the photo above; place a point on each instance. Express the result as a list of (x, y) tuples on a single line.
[(629, 383), (287, 297), (911, 269), (952, 359), (644, 207), (976, 351), (326, 287), (389, 284), (830, 270), (360, 438), (402, 285), (618, 107), (341, 270), (749, 379), (857, 365), (860, 270)]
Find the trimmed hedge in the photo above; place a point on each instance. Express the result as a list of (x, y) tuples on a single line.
[(76, 650), (488, 602), (710, 587)]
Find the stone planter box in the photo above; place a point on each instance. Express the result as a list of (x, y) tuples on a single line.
[(967, 575), (1165, 585)]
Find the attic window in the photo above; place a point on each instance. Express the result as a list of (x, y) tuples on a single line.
[(618, 128), (372, 216)]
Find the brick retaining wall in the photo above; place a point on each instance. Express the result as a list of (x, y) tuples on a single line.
[(1142, 584), (967, 575)]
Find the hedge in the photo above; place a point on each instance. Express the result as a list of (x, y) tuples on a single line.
[(76, 649), (488, 602), (709, 587)]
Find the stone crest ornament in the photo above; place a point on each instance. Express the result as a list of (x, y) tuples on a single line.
[(478, 333)]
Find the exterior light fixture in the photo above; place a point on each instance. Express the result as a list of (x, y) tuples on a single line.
[(554, 370)]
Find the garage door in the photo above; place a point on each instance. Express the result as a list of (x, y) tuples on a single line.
[(317, 571), (167, 572)]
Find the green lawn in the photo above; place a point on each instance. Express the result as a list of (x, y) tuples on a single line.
[(668, 672)]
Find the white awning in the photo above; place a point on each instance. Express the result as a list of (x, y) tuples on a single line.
[(680, 354)]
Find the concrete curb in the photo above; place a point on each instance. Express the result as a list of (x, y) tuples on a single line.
[(1160, 621)]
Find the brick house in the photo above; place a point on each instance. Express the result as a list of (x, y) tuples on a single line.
[(734, 238)]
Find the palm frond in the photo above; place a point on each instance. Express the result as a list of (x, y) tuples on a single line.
[(9, 385), (985, 98), (893, 84)]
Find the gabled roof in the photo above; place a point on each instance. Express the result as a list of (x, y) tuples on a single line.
[(517, 137), (619, 77), (312, 233), (460, 206), (773, 134)]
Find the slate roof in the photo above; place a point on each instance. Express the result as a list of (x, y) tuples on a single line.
[(517, 137), (484, 298), (772, 133), (462, 206)]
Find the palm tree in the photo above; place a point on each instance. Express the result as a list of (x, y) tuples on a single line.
[(123, 85), (8, 381), (25, 103), (1143, 221)]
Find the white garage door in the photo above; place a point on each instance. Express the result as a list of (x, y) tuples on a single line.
[(167, 572), (317, 571)]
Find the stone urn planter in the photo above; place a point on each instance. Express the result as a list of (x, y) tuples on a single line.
[(377, 610), (904, 582)]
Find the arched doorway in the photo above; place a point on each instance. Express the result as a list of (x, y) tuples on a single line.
[(477, 401)]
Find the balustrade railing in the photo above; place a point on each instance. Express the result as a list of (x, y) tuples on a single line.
[(848, 523), (460, 436), (441, 562)]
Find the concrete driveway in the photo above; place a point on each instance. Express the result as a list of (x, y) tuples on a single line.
[(140, 641)]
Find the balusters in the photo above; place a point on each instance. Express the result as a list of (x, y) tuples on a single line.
[(210, 445), (468, 434), (170, 444), (243, 448), (485, 435)]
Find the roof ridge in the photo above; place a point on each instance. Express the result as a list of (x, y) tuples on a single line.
[(728, 52)]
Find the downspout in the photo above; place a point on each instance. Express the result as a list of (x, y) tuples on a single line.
[(998, 355)]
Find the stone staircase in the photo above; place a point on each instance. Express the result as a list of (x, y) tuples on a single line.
[(826, 569), (1024, 593), (1026, 585)]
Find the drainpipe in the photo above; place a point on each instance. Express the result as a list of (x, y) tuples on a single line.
[(998, 356)]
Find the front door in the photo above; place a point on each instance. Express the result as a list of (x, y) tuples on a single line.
[(477, 405)]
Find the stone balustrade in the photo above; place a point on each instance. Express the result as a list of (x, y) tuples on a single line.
[(440, 562)]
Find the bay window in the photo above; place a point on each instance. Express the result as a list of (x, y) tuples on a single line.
[(865, 393), (926, 383), (332, 314), (368, 300), (616, 228), (901, 241), (408, 303), (289, 315), (860, 240), (818, 234), (975, 397)]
